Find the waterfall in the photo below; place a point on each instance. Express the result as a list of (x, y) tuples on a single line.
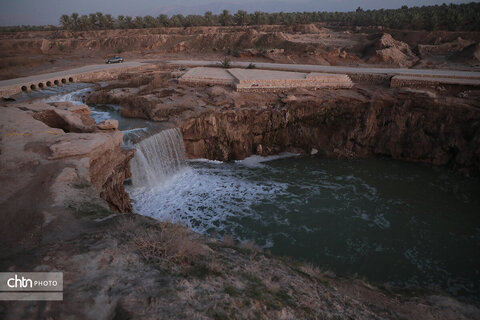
[(157, 157), (58, 94)]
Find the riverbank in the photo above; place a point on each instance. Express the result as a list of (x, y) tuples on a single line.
[(65, 185)]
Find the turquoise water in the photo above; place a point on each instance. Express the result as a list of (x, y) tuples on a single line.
[(406, 224)]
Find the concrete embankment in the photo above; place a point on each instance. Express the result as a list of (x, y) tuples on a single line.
[(416, 77)]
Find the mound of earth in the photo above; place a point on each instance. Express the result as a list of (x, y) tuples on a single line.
[(308, 29), (387, 50), (470, 54), (445, 49)]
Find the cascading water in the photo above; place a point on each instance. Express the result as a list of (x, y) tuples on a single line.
[(76, 97), (157, 157)]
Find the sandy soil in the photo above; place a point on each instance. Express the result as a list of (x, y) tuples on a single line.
[(28, 53)]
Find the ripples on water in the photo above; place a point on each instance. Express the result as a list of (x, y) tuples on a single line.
[(402, 223)]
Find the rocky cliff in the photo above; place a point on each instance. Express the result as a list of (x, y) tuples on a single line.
[(432, 126), (404, 125), (54, 157)]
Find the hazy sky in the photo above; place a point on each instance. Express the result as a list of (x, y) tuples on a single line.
[(40, 12)]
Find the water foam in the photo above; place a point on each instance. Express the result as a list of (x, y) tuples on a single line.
[(76, 97), (157, 158), (257, 161), (204, 197)]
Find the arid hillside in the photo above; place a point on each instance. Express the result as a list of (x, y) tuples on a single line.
[(25, 53)]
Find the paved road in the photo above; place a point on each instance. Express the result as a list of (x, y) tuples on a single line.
[(67, 73), (435, 73)]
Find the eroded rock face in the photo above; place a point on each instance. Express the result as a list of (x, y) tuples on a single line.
[(402, 125), (108, 172), (53, 158)]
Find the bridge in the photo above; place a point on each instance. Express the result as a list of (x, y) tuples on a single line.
[(11, 87)]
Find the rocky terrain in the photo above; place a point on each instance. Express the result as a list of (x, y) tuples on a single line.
[(428, 125), (26, 53), (65, 207), (64, 191), (45, 148)]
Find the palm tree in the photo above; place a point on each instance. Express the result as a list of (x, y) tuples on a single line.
[(150, 21), (74, 19), (92, 21), (83, 22), (100, 20), (109, 21), (208, 18), (225, 18), (65, 21), (163, 20), (139, 22), (241, 17)]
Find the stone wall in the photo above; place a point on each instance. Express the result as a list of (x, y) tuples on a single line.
[(340, 81), (213, 81), (425, 82)]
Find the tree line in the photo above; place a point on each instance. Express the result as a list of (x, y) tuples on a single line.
[(453, 17)]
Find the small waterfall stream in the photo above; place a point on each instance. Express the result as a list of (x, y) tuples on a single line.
[(157, 157)]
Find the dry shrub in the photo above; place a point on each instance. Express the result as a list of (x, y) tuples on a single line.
[(215, 267), (316, 272), (127, 225), (159, 80), (138, 81), (126, 76), (228, 240), (169, 243), (251, 246)]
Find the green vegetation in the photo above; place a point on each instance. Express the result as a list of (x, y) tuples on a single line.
[(226, 63), (453, 17)]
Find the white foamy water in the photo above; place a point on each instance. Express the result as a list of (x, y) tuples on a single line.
[(203, 198), (76, 97), (257, 161), (157, 158)]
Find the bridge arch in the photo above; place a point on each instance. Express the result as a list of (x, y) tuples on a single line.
[(56, 82), (70, 79), (33, 87), (40, 85), (49, 83), (24, 88), (64, 80)]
